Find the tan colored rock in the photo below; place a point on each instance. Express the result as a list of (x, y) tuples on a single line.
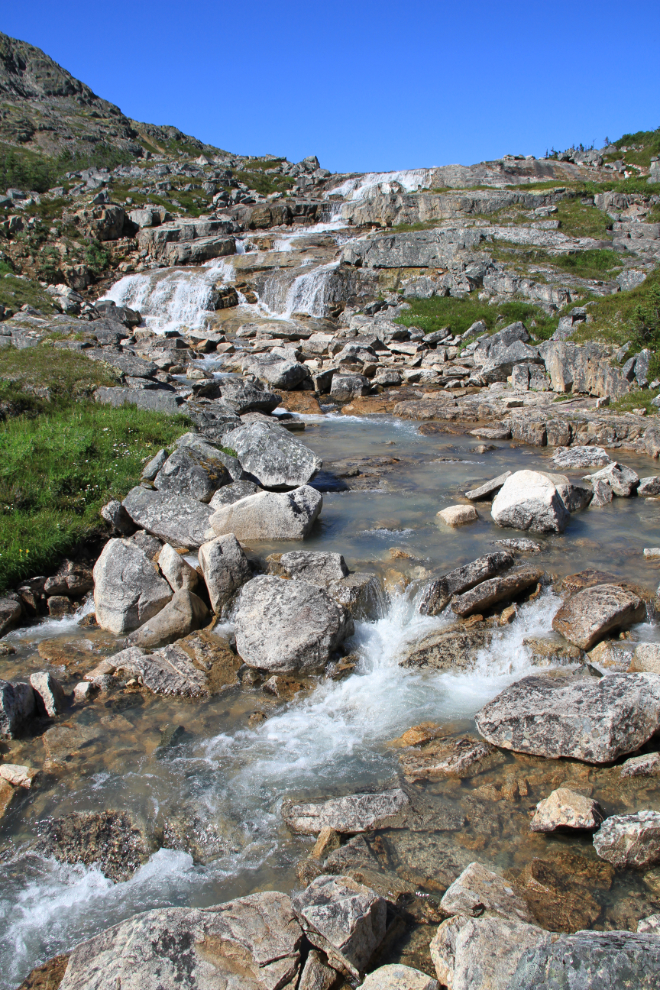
[(398, 977), (565, 808), (7, 794), (478, 890), (458, 515), (590, 614), (17, 776), (176, 570), (646, 657)]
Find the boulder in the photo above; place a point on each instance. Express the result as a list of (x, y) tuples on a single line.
[(277, 371), (351, 814), (168, 671), (482, 953), (177, 519), (344, 919), (316, 974), (315, 566), (593, 612), (440, 757), (458, 515), (502, 359), (234, 493), (195, 470), (128, 590), (622, 480), (580, 457), (270, 515), (49, 694), (583, 718), (152, 467), (225, 568), (10, 614), (17, 708), (347, 387), (398, 977), (117, 517), (244, 397), (184, 613), (646, 765), (565, 808), (489, 488), (272, 457), (590, 960), (603, 494), (361, 593), (110, 841), (479, 891), (495, 590), (176, 570), (438, 593), (454, 647), (530, 500), (252, 943), (575, 496), (205, 449), (630, 841), (285, 626), (649, 487)]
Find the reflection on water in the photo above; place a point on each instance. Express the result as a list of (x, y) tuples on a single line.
[(222, 781)]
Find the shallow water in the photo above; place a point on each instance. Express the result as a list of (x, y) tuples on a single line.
[(225, 780)]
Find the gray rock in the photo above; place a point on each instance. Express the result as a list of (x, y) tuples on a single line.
[(108, 840), (49, 693), (315, 566), (285, 626), (206, 449), (479, 891), (177, 519), (152, 468), (10, 614), (593, 612), (213, 419), (151, 545), (498, 589), (649, 486), (347, 387), (580, 457), (530, 500), (438, 593), (17, 708), (521, 546), (270, 515), (646, 765), (350, 814), (316, 974), (252, 943), (272, 457), (398, 977), (482, 953), (244, 397), (649, 924), (622, 480), (603, 494), (152, 400), (590, 719), (630, 841), (168, 671), (575, 496), (225, 568), (176, 570), (116, 515), (128, 589), (590, 961), (344, 919), (184, 613), (233, 493), (454, 647), (564, 808), (488, 489), (502, 359), (277, 371), (361, 593), (193, 471)]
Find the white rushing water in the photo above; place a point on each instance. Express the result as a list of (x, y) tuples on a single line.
[(359, 188)]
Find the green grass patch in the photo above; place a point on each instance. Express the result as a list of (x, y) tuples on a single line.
[(433, 314), (15, 292), (57, 472), (32, 172), (601, 264), (639, 399), (579, 219), (255, 178), (43, 378)]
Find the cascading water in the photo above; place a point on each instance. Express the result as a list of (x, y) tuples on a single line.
[(358, 188)]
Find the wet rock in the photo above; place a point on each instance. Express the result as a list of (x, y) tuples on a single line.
[(496, 590), (590, 614), (458, 515), (7, 796), (233, 493), (111, 841), (168, 671), (194, 469), (622, 480), (481, 953), (453, 648), (128, 589), (575, 496), (17, 708), (184, 613), (252, 943), (72, 579), (46, 977), (315, 567), (59, 605), (590, 961), (176, 570), (272, 457), (649, 486), (443, 758), (270, 515), (343, 918), (11, 612), (350, 814), (630, 840), (397, 977), (316, 974), (646, 657), (225, 568), (580, 457), (559, 892), (530, 500), (650, 924), (590, 719), (360, 593), (327, 841), (478, 890), (118, 518), (565, 808), (520, 546), (67, 740), (49, 694), (284, 626), (438, 594), (646, 765), (488, 489), (17, 775), (546, 651), (176, 519)]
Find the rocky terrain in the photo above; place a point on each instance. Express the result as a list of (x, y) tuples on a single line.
[(245, 741)]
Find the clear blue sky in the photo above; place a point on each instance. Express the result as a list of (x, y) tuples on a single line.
[(365, 85)]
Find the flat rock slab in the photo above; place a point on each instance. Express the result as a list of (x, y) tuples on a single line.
[(272, 457), (270, 515), (478, 890), (580, 457), (590, 961), (438, 593), (177, 519), (168, 671), (497, 589), (443, 758), (592, 613), (458, 515), (630, 840), (565, 808), (315, 566), (252, 943), (350, 814), (488, 489), (595, 720)]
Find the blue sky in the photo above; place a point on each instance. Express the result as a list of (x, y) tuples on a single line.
[(365, 85)]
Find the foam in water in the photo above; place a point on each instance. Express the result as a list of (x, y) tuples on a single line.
[(308, 293), (359, 188)]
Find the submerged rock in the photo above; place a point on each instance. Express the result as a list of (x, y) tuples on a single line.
[(270, 515), (530, 500), (109, 840), (590, 719), (442, 757), (559, 891), (479, 891), (588, 615), (453, 648), (566, 809), (353, 813), (128, 590), (622, 480), (458, 515), (630, 840)]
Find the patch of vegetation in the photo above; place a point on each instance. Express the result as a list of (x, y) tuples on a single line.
[(58, 470), (595, 263), (97, 257), (32, 172), (433, 314), (43, 378), (255, 178), (404, 228), (578, 219), (15, 292), (650, 142), (639, 399)]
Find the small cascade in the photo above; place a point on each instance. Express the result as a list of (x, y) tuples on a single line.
[(308, 293), (359, 188)]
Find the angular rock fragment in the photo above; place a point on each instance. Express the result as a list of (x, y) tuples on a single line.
[(10, 614), (184, 613), (438, 593), (225, 568), (316, 974), (622, 480), (453, 648), (489, 489), (479, 891), (630, 840), (17, 707), (592, 613), (233, 493), (272, 457), (167, 671), (49, 693), (350, 814), (649, 487), (498, 589), (603, 494), (565, 808), (118, 518), (195, 470), (177, 519), (580, 457), (458, 515), (647, 765), (360, 593), (176, 570), (398, 977), (270, 515), (128, 590), (314, 566), (530, 500), (482, 953)]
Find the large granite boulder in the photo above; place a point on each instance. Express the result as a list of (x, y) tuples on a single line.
[(479, 891), (272, 457), (252, 943), (314, 566), (482, 953), (630, 840), (225, 568), (177, 519), (286, 626), (193, 469), (245, 397), (583, 718), (176, 570), (351, 814), (277, 371), (530, 500), (270, 515), (184, 613), (593, 612), (128, 589)]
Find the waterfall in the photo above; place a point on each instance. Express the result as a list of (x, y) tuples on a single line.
[(358, 188)]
